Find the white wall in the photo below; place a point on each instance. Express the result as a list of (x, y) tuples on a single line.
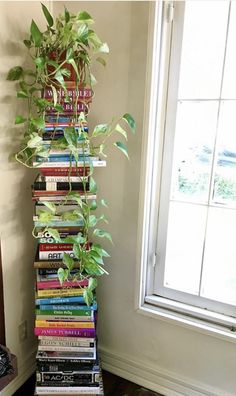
[(165, 357), (15, 192)]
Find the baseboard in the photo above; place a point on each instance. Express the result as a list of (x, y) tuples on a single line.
[(25, 370), (153, 377)]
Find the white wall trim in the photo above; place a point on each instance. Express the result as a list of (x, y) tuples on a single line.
[(24, 372), (153, 377)]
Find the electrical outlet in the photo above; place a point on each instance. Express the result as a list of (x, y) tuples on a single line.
[(22, 329)]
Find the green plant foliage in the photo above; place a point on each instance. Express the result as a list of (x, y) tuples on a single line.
[(67, 45)]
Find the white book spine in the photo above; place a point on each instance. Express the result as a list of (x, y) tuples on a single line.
[(65, 348), (68, 390)]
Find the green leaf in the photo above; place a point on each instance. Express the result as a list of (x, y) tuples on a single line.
[(92, 268), (27, 43), (15, 73), (59, 77), (100, 129), (122, 147), (130, 121), (36, 34), (19, 119), (92, 284), (54, 234), (38, 122), (71, 136), (93, 79), (92, 185), (76, 197), (51, 206), (119, 129), (77, 250), (88, 296), (102, 147), (47, 15), (104, 49), (92, 221), (75, 67), (45, 217), (68, 261), (104, 203), (67, 15), (35, 141), (22, 94), (102, 61), (65, 72), (69, 53), (102, 234), (40, 62), (61, 275), (82, 34), (93, 205), (69, 216), (54, 92), (96, 257), (85, 17)]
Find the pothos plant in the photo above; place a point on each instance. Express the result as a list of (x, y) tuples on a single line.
[(64, 52)]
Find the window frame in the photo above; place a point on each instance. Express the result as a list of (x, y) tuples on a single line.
[(160, 33)]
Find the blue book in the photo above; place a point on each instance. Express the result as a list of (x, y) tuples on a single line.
[(59, 300), (58, 223)]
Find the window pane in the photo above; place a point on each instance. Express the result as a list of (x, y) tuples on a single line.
[(219, 271), (203, 49), (225, 172), (186, 230), (194, 142), (229, 81)]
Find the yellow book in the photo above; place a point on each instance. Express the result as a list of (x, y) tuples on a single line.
[(82, 325), (60, 292)]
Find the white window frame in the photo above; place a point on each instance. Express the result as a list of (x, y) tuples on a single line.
[(154, 120)]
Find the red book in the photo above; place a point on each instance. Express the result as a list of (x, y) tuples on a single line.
[(55, 284), (58, 171), (55, 246)]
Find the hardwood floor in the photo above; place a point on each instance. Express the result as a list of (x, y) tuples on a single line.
[(113, 386)]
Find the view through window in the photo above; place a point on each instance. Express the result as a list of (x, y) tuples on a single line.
[(197, 259)]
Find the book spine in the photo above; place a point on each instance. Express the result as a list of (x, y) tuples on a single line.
[(67, 313), (66, 344), (78, 93), (66, 308), (96, 163), (45, 264), (67, 332), (65, 179), (66, 318), (52, 255), (65, 348), (55, 246), (60, 300), (59, 186), (59, 292), (76, 340), (60, 324), (69, 108), (75, 390), (80, 171), (54, 284)]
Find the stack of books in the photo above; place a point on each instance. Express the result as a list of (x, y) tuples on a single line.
[(67, 359)]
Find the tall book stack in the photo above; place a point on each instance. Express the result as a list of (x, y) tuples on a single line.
[(67, 359)]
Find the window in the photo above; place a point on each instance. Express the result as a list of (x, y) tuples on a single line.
[(191, 253)]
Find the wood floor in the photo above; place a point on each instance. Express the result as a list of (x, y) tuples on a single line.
[(113, 386)]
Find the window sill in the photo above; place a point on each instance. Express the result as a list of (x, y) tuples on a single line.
[(209, 323)]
